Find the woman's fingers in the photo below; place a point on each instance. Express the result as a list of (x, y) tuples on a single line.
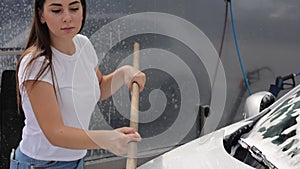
[(126, 130), (125, 136), (133, 75), (134, 137), (130, 133), (140, 79)]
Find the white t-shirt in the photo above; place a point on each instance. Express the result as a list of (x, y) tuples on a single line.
[(79, 92)]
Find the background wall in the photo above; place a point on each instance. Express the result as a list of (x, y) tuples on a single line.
[(268, 33)]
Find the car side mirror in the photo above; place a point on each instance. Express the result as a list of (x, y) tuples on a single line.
[(257, 102)]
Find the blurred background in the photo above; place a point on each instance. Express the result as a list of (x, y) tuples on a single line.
[(268, 34)]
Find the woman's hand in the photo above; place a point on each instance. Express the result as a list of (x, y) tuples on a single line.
[(133, 75), (118, 140), (110, 83), (115, 141)]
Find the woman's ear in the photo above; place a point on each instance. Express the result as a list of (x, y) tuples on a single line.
[(41, 16)]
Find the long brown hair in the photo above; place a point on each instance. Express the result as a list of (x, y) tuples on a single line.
[(39, 45)]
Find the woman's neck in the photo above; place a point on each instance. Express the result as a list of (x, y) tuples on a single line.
[(65, 46)]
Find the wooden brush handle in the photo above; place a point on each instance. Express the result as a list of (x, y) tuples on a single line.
[(134, 112)]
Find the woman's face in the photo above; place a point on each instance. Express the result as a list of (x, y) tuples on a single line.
[(63, 17)]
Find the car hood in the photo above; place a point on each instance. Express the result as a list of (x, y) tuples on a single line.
[(275, 134), (206, 152)]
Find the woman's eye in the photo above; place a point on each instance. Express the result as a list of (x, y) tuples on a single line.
[(56, 11), (74, 9)]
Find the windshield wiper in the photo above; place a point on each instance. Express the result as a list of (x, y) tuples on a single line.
[(233, 138), (257, 154)]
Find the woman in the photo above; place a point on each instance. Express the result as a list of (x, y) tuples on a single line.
[(59, 83)]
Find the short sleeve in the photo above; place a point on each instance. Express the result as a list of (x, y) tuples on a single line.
[(30, 72), (93, 53), (88, 48)]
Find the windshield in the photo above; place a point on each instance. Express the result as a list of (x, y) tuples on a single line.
[(276, 135)]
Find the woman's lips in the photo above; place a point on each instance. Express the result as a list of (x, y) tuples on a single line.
[(67, 29)]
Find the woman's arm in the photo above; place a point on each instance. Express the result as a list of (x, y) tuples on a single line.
[(48, 115), (110, 83)]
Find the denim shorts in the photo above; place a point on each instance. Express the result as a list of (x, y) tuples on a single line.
[(21, 161)]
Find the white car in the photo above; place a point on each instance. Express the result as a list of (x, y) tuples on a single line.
[(268, 140)]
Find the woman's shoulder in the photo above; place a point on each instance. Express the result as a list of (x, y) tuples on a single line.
[(29, 57), (81, 38)]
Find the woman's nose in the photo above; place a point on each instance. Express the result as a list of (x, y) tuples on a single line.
[(66, 16)]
